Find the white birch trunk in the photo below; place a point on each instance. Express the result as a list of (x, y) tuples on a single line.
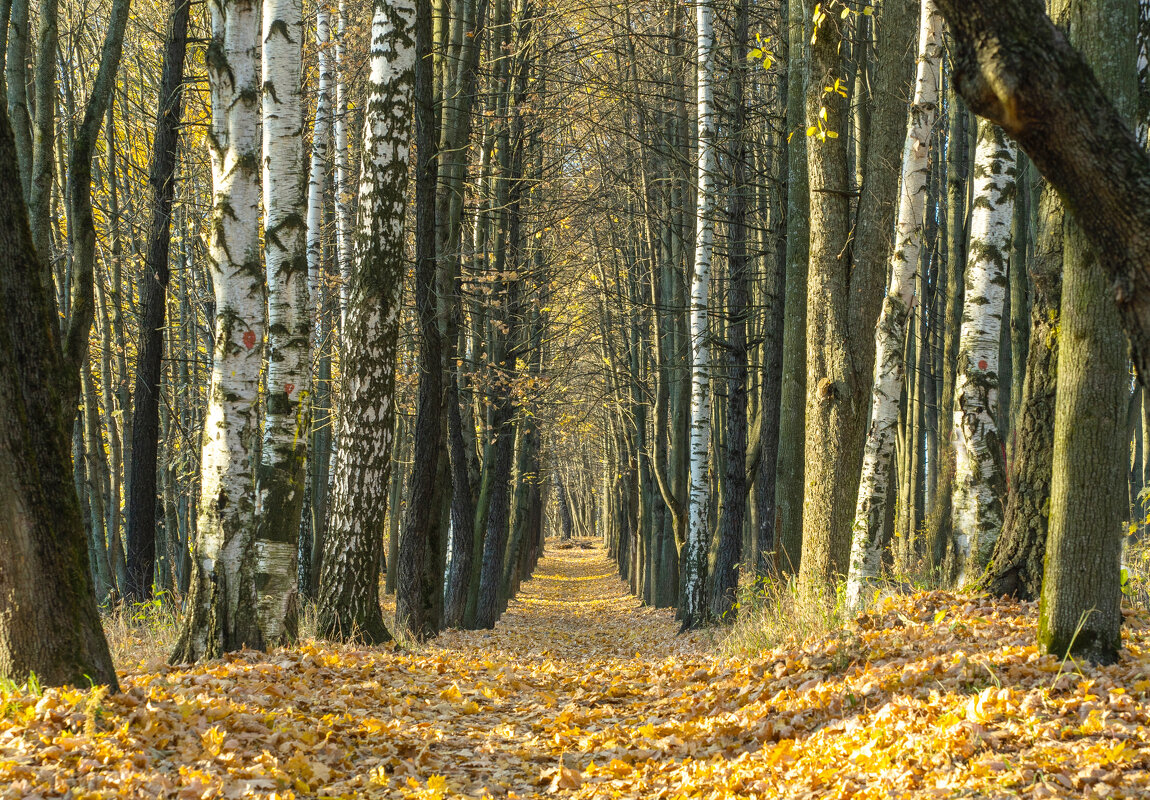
[(343, 220), (874, 485), (221, 614), (980, 476), (320, 134), (287, 418), (695, 561), (349, 580)]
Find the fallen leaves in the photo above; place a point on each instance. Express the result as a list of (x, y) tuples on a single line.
[(935, 695)]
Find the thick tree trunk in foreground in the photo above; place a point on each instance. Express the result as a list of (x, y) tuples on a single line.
[(413, 605), (221, 614), (875, 483), (287, 418), (142, 468), (349, 581), (1080, 611), (1015, 67), (50, 625)]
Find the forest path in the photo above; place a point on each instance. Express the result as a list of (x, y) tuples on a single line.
[(579, 692)]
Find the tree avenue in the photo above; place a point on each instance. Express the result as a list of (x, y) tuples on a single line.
[(741, 291)]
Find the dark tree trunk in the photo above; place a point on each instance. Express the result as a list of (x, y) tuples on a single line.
[(734, 486), (141, 510), (51, 625), (412, 601), (1016, 564)]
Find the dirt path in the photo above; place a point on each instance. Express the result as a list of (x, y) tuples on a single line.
[(581, 693)]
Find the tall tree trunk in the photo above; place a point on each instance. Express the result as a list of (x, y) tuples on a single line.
[(44, 127), (143, 466), (792, 425), (874, 485), (349, 579), (1080, 612), (287, 417), (734, 486), (694, 565), (1016, 565), (413, 602), (979, 476), (221, 615)]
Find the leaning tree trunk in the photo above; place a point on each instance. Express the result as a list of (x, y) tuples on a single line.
[(81, 222), (979, 468), (1080, 613), (221, 613), (287, 420), (143, 466), (692, 603), (874, 486), (1013, 66), (349, 579), (50, 625)]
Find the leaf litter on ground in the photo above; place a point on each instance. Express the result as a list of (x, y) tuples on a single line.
[(581, 692)]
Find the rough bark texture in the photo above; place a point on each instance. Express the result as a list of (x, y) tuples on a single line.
[(845, 288), (1016, 564), (413, 606), (792, 414), (726, 573), (142, 467), (1080, 611), (349, 579), (50, 624), (287, 416)]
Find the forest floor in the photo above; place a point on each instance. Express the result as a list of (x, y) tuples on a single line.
[(580, 692)]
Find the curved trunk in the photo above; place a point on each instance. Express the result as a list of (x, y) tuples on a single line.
[(50, 625)]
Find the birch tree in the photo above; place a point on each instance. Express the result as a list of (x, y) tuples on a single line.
[(221, 614), (320, 133), (695, 560), (344, 225), (349, 577), (979, 477), (874, 486), (287, 417)]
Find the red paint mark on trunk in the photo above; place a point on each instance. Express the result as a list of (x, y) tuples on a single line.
[(249, 339), (289, 387), (982, 364)]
